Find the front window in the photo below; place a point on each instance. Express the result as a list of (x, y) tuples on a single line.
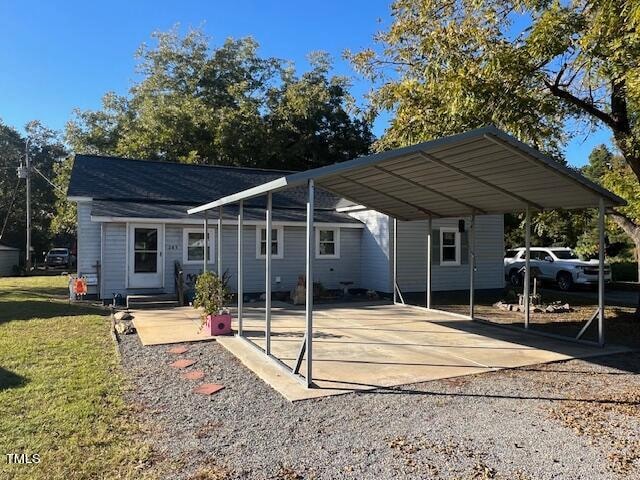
[(565, 254), (511, 254), (327, 243), (449, 246), (193, 246), (276, 242)]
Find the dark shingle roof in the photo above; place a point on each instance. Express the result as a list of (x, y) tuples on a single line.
[(113, 178), (122, 187)]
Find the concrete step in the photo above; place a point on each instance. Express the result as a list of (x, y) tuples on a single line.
[(152, 301)]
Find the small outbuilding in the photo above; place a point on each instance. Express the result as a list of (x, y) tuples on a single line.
[(9, 260)]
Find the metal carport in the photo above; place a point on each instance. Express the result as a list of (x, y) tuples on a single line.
[(483, 171)]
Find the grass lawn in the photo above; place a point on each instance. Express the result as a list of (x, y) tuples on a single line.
[(61, 388)]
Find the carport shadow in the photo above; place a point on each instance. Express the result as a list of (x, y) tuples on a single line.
[(296, 334), (591, 354), (8, 379), (432, 393)]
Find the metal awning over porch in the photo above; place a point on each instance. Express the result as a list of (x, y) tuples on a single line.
[(484, 170)]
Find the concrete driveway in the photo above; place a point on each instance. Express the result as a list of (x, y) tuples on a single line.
[(360, 347)]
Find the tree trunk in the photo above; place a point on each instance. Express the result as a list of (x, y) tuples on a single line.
[(633, 230)]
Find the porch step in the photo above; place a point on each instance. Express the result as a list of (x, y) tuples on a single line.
[(152, 301)]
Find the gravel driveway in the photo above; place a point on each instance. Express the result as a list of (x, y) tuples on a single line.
[(569, 420)]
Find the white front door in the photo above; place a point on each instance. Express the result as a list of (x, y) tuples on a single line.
[(145, 255)]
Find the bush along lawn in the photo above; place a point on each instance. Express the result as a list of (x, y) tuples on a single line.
[(61, 389)]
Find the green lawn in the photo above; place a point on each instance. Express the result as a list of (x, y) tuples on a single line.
[(61, 388)]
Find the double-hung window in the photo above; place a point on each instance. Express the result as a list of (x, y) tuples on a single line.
[(327, 243), (277, 242), (449, 246), (193, 246)]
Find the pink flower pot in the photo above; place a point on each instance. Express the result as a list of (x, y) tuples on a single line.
[(218, 324)]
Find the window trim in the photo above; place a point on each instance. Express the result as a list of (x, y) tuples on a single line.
[(279, 240), (450, 263), (336, 241), (185, 246)]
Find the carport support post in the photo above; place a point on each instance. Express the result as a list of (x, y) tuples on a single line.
[(395, 260), (205, 252), (601, 214), (240, 288), (309, 283), (219, 260), (472, 263), (527, 261), (429, 259), (267, 278)]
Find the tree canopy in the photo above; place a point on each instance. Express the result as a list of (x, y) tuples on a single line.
[(225, 105), (220, 106), (448, 66), (45, 151)]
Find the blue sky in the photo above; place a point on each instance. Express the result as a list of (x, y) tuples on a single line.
[(57, 56)]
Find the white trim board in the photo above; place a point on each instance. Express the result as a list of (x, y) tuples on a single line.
[(193, 221)]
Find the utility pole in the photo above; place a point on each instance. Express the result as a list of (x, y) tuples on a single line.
[(25, 172)]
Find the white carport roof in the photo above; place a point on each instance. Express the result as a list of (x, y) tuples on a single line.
[(483, 170)]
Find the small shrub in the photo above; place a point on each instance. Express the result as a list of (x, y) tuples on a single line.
[(212, 293)]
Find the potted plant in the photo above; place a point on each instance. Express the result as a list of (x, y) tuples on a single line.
[(212, 296)]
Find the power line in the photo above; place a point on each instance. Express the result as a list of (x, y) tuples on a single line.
[(47, 180)]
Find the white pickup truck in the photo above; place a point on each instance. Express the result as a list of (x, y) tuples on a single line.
[(556, 264)]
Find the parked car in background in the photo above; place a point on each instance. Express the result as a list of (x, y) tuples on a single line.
[(59, 257), (560, 265)]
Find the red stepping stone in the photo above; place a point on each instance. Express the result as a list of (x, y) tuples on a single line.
[(178, 350), (208, 389), (194, 375), (182, 363)]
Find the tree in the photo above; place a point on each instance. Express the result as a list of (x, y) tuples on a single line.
[(307, 123), (11, 188), (447, 66), (220, 106), (224, 106), (65, 212), (600, 160), (45, 151)]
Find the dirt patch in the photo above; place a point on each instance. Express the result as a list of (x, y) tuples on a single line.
[(613, 425)]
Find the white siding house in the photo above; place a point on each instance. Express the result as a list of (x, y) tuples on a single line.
[(377, 247), (133, 228)]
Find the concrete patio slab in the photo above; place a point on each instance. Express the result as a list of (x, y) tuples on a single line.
[(363, 347), (166, 326)]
